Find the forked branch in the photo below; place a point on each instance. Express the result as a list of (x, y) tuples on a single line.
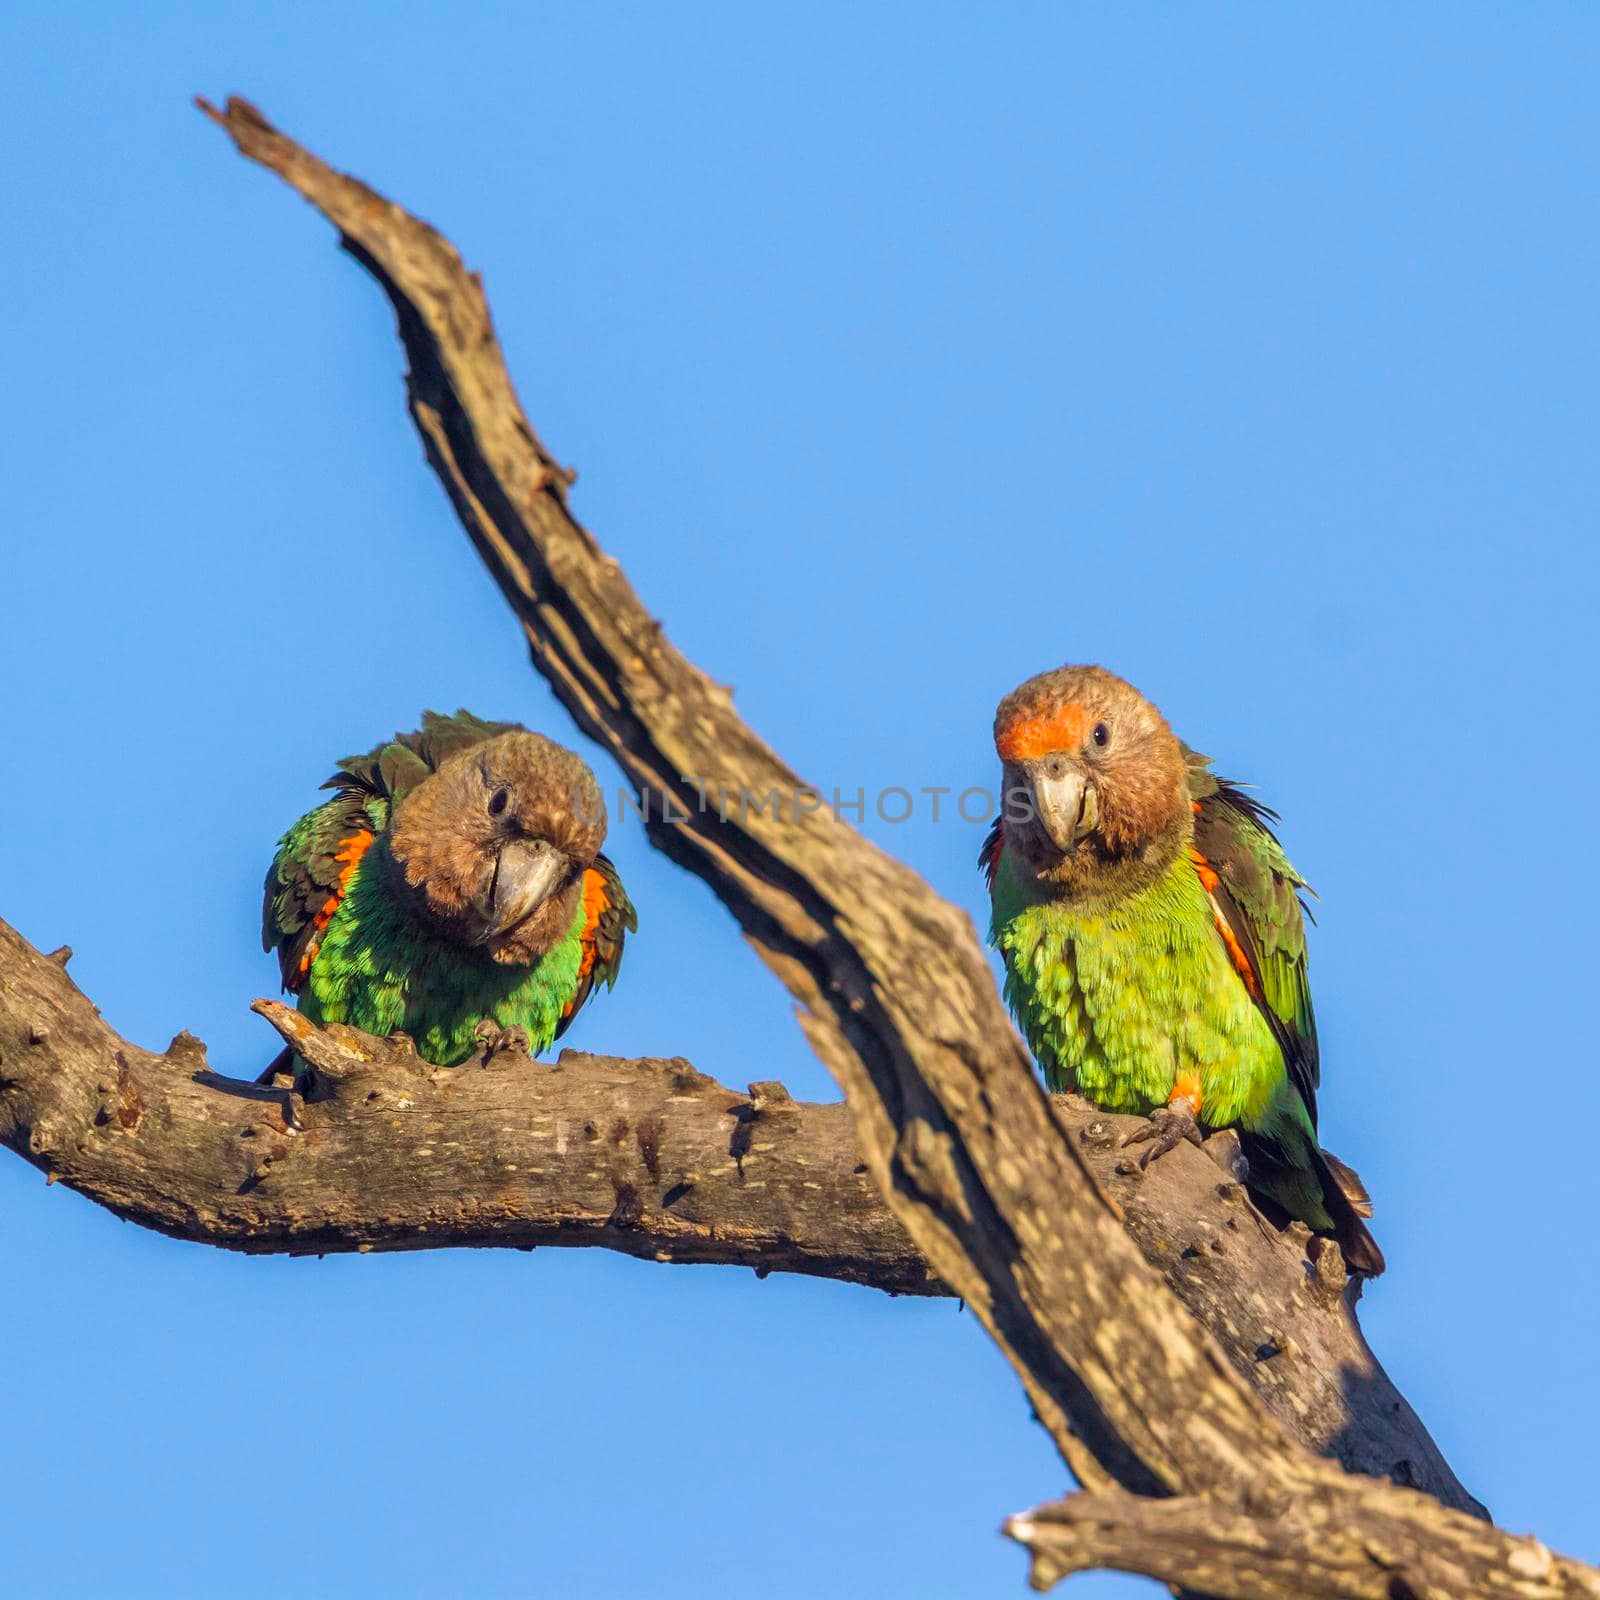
[(999, 1193)]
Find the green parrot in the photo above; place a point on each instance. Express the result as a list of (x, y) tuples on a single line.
[(1154, 943), (452, 889)]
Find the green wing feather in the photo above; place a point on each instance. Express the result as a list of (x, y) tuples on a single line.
[(1258, 893), (306, 872)]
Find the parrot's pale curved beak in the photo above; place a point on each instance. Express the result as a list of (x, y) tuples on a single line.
[(1065, 802), (526, 873)]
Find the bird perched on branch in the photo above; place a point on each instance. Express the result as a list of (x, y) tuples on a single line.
[(452, 889), (1154, 942)]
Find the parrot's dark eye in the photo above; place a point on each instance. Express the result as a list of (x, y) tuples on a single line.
[(497, 801), (1101, 734)]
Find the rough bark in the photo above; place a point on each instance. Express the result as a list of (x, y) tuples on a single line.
[(384, 1152), (649, 1157), (1295, 1538), (897, 997)]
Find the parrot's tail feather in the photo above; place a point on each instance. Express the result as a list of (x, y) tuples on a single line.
[(1350, 1185), (1360, 1249), (1346, 1198)]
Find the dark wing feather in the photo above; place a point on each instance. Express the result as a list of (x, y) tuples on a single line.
[(316, 856), (993, 847), (609, 918), (307, 873), (1257, 894)]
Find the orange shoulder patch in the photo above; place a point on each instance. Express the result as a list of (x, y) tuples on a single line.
[(1241, 962), (596, 902), (348, 855), (1210, 882)]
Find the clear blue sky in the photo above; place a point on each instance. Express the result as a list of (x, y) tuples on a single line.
[(904, 352)]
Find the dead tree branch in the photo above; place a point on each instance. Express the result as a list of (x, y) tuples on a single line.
[(1295, 1538), (650, 1157), (976, 1166)]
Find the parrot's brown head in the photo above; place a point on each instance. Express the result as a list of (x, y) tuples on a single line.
[(1093, 776), (494, 845)]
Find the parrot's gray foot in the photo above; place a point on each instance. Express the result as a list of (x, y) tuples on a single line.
[(1165, 1129), (498, 1041)]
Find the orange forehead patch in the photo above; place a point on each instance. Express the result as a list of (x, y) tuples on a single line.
[(1032, 737)]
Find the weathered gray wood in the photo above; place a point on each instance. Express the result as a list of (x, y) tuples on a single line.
[(1294, 1537), (649, 1157)]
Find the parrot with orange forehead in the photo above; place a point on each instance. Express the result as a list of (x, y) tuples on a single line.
[(452, 889), (1154, 941)]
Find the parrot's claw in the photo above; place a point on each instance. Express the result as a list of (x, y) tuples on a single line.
[(1166, 1128), (498, 1041)]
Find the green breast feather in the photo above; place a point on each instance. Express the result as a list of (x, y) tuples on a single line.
[(1116, 1000), (375, 970)]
